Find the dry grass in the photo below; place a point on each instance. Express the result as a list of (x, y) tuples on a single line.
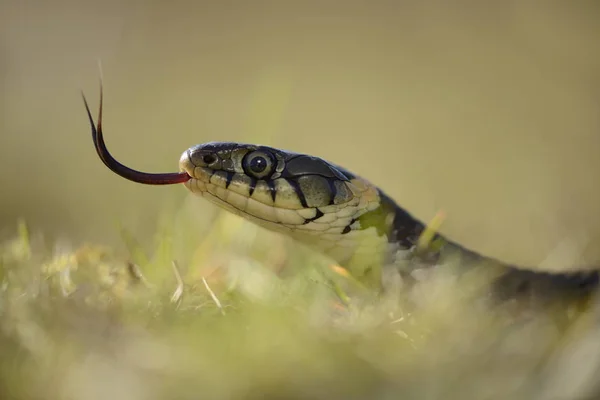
[(246, 314)]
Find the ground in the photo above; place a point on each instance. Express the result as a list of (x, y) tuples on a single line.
[(235, 319)]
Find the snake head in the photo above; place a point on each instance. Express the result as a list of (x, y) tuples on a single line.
[(300, 195), (270, 176)]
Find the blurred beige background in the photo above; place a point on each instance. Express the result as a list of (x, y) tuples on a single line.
[(487, 110)]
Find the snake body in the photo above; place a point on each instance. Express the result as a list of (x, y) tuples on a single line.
[(309, 199)]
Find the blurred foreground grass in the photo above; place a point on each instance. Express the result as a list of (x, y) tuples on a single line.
[(221, 309)]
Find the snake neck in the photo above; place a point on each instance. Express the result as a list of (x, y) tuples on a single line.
[(405, 229), (511, 281)]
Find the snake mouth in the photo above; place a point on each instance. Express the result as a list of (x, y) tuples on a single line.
[(120, 169)]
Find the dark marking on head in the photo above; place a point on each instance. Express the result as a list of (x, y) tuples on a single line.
[(252, 186), (348, 227), (298, 191), (228, 179), (318, 215), (300, 165), (272, 189)]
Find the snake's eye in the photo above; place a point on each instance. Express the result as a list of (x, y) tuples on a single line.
[(258, 164)]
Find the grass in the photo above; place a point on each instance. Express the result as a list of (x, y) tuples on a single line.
[(222, 309)]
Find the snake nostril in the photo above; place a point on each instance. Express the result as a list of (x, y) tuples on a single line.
[(209, 159)]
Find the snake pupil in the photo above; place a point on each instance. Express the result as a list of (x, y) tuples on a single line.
[(258, 164)]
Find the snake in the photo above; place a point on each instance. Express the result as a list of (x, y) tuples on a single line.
[(313, 201)]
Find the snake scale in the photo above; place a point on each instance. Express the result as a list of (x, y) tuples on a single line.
[(315, 202)]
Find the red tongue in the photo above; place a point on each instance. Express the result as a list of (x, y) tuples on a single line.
[(120, 169)]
